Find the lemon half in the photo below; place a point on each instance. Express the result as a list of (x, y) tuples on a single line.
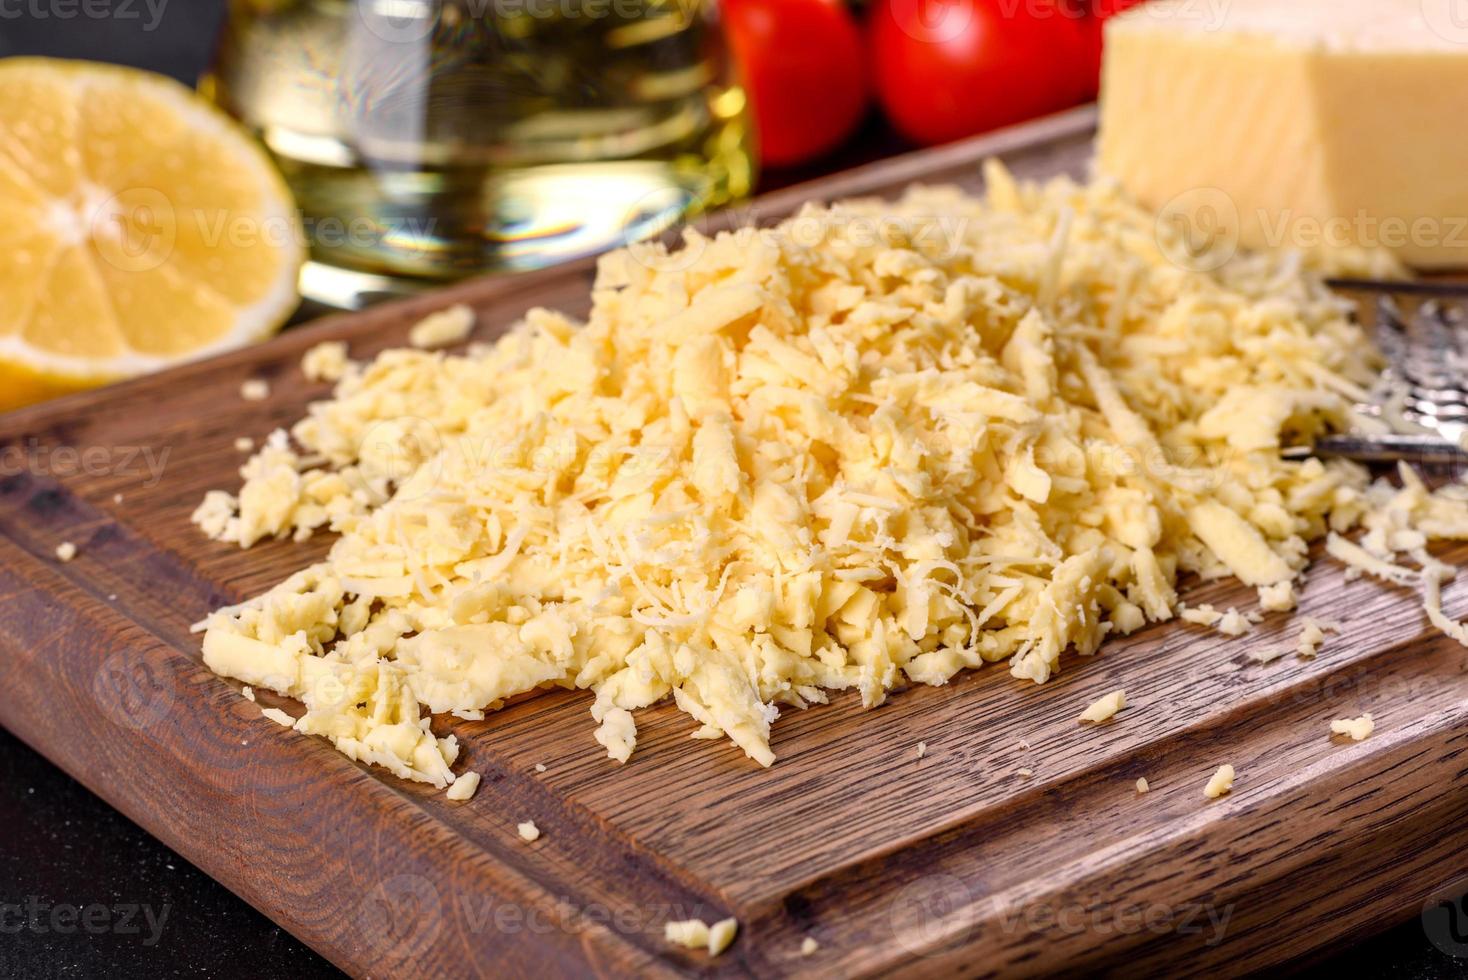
[(139, 227)]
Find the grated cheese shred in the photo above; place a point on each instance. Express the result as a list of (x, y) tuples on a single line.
[(882, 443), (1357, 729)]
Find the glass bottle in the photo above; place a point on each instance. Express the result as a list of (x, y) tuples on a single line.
[(426, 140)]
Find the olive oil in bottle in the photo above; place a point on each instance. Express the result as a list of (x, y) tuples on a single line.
[(426, 140)]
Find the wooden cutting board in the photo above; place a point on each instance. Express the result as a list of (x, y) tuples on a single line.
[(1017, 845)]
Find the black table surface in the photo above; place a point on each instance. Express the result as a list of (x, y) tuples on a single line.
[(85, 892)]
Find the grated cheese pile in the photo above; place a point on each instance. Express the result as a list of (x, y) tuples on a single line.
[(880, 444)]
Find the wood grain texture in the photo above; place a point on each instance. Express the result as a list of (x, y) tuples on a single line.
[(957, 863)]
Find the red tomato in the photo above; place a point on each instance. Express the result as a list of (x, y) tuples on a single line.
[(804, 67), (946, 69)]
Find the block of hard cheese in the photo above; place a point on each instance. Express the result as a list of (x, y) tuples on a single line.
[(1318, 125)]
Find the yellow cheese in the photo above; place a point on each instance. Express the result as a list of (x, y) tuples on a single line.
[(1357, 729), (692, 933), (1104, 708), (721, 934), (1325, 126), (815, 459), (1220, 782), (463, 787)]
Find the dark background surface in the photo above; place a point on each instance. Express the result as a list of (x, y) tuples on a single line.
[(61, 847)]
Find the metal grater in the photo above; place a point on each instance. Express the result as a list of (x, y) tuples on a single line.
[(1422, 331)]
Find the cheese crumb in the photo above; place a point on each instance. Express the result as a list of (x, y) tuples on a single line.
[(808, 946), (1279, 597), (244, 444), (1312, 635), (65, 551), (1025, 773), (721, 934), (540, 767), (692, 933), (247, 692), (463, 788), (1357, 728), (618, 734), (117, 498), (922, 749), (1142, 786), (279, 717), (1221, 783), (327, 361), (527, 830), (255, 390), (1204, 615), (1105, 707), (442, 328), (1234, 623), (1265, 655), (695, 933)]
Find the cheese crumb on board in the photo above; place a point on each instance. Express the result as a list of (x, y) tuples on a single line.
[(65, 552), (1025, 773), (784, 464), (1142, 786), (244, 444), (721, 934), (279, 717), (692, 933), (255, 390), (1358, 729), (1234, 623), (1279, 597), (1202, 615), (1221, 782), (540, 767), (463, 787), (247, 692), (1312, 635), (808, 946), (1105, 707), (922, 749), (443, 328), (327, 361), (527, 830)]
